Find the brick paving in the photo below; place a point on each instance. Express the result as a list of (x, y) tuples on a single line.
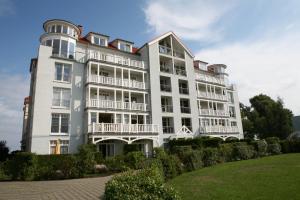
[(79, 189)]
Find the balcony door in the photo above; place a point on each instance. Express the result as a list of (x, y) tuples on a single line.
[(106, 118)]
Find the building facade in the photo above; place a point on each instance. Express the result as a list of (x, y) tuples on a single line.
[(90, 89)]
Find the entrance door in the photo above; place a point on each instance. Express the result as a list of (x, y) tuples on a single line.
[(107, 149), (106, 118)]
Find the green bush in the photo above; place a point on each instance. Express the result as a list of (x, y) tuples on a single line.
[(290, 146), (130, 148), (192, 159), (51, 167), (180, 150), (225, 152), (210, 156), (260, 147), (212, 142), (242, 151), (135, 159), (22, 166), (274, 147), (116, 164), (145, 184), (86, 158)]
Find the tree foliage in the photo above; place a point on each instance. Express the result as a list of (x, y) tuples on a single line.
[(266, 118), (4, 150)]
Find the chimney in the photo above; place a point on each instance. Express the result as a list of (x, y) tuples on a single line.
[(80, 29)]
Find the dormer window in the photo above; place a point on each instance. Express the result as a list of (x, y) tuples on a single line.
[(99, 41), (125, 47)]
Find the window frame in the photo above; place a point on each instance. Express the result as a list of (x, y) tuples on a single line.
[(61, 103), (63, 65), (60, 116)]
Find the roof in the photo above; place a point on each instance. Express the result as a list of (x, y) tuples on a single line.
[(200, 61), (94, 33), (118, 39), (217, 65), (65, 21), (175, 36)]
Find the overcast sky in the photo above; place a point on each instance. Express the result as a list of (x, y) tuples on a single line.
[(257, 40)]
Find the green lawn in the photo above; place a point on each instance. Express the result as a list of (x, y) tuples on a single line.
[(274, 177)]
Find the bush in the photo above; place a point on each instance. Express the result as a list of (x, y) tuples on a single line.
[(130, 148), (180, 150), (22, 166), (260, 147), (242, 151), (51, 167), (116, 163), (290, 146), (274, 147), (210, 156), (135, 159), (192, 160), (225, 152), (145, 184), (86, 158), (212, 142)]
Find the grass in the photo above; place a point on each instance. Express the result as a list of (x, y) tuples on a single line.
[(274, 177)]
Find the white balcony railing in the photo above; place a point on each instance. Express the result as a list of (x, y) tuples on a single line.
[(116, 81), (210, 79), (97, 55), (117, 128), (210, 95), (165, 50), (108, 104), (218, 129), (211, 112)]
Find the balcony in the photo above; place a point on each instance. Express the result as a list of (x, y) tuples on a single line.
[(211, 112), (119, 105), (116, 82), (178, 54), (123, 129), (97, 55), (209, 95), (165, 50), (219, 130), (209, 79)]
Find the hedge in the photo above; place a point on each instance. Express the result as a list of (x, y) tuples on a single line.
[(192, 159), (274, 147), (210, 156), (242, 151), (139, 185)]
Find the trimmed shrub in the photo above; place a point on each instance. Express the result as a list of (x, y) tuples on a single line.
[(260, 147), (22, 166), (242, 151), (225, 152), (145, 184), (180, 150), (86, 158), (116, 164), (212, 142), (274, 147), (192, 160), (195, 143), (210, 156), (135, 159), (290, 146)]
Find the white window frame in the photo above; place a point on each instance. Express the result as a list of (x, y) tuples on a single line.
[(63, 72), (53, 143), (126, 45), (100, 38), (61, 98), (59, 124)]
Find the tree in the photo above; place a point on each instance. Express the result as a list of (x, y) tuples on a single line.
[(4, 150), (267, 118)]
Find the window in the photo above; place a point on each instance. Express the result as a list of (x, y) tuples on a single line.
[(185, 106), (56, 44), (125, 47), (232, 112), (65, 29), (93, 117), (64, 48), (49, 43), (167, 123), (59, 146), (187, 122), (62, 72), (183, 87), (52, 29), (165, 84), (166, 104), (71, 50), (61, 97), (60, 123), (99, 41), (58, 29)]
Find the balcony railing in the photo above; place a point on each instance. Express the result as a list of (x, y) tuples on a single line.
[(97, 55), (209, 95), (166, 108), (116, 81), (218, 129), (108, 104), (165, 50), (211, 112), (117, 128), (210, 79)]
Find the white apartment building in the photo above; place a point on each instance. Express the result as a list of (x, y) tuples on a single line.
[(91, 89)]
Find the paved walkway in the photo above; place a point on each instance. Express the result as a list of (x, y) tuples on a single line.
[(79, 189)]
